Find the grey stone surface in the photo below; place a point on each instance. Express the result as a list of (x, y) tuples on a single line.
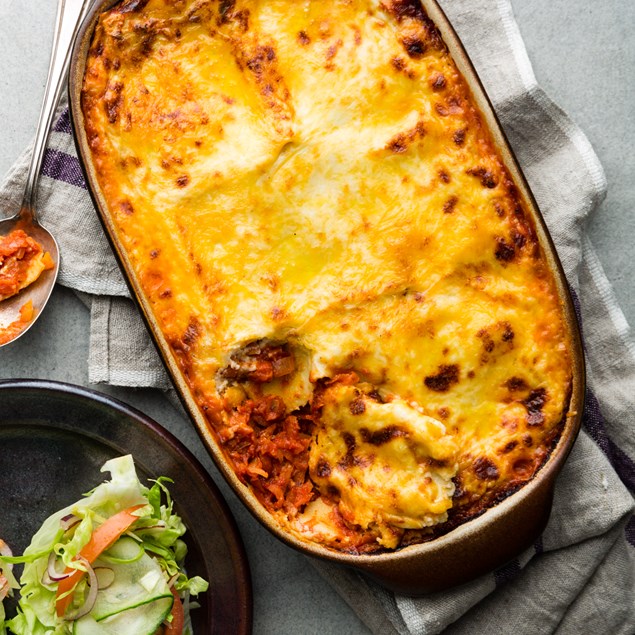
[(583, 54)]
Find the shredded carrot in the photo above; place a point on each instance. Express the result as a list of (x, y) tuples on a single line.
[(47, 261), (26, 312), (11, 331), (103, 538)]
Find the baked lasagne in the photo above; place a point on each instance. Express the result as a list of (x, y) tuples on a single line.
[(346, 274), (22, 262)]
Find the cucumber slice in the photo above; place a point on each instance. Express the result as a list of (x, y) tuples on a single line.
[(125, 550), (140, 620), (138, 582), (137, 601)]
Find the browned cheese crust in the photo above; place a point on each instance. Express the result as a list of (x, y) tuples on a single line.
[(329, 241)]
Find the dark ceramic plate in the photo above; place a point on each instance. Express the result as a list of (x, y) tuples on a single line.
[(53, 440)]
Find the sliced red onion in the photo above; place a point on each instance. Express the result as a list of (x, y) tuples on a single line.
[(46, 579), (53, 574), (105, 577), (160, 525), (68, 521), (93, 587)]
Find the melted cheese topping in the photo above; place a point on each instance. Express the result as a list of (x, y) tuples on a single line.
[(391, 465), (316, 175)]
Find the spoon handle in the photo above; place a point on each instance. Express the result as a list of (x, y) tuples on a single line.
[(67, 22)]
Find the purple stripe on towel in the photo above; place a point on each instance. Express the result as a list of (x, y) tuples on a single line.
[(62, 167), (507, 572), (576, 307), (630, 531), (63, 124), (593, 423), (623, 465)]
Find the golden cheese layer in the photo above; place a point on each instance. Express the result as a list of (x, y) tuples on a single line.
[(318, 217), (392, 465)]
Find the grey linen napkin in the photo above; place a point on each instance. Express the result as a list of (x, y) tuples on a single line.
[(579, 577)]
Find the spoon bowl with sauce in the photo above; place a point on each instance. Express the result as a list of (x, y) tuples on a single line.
[(29, 255)]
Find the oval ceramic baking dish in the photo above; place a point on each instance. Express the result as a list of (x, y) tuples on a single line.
[(360, 367)]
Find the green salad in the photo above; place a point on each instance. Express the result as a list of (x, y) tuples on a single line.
[(109, 564)]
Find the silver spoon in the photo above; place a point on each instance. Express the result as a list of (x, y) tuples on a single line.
[(69, 13)]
